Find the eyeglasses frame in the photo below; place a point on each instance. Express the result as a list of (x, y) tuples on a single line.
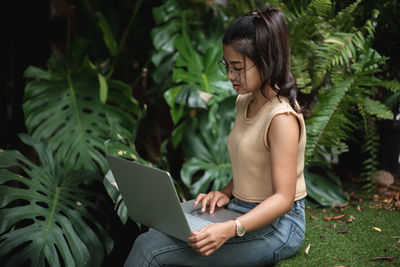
[(226, 68)]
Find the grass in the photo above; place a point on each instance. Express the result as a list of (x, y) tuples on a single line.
[(367, 235)]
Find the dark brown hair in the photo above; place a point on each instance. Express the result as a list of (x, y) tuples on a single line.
[(262, 36)]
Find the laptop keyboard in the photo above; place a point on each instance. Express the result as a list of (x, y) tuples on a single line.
[(195, 223)]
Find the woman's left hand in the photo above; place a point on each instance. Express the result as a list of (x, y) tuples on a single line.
[(211, 237)]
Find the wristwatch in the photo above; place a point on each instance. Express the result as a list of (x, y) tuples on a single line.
[(240, 230)]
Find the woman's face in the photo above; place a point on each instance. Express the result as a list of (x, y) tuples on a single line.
[(244, 80)]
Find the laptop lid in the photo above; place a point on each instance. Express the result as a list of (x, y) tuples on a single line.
[(150, 197)]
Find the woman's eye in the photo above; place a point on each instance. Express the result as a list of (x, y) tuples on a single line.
[(238, 69)]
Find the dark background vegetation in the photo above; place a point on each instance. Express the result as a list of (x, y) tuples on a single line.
[(33, 30)]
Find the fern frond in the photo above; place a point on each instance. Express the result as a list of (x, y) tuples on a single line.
[(320, 7), (369, 27), (300, 69), (340, 48), (393, 85), (370, 151), (376, 108), (323, 114), (344, 17)]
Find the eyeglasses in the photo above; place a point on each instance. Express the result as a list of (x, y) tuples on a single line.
[(236, 72)]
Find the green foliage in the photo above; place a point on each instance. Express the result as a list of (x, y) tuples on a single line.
[(204, 145), (176, 18), (66, 101), (198, 79), (120, 144), (325, 189), (326, 114), (48, 215), (336, 66)]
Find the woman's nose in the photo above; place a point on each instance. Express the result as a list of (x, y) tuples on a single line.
[(230, 75)]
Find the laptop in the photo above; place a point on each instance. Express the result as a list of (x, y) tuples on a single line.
[(151, 199)]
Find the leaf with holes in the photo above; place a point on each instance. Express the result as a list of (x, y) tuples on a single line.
[(47, 216), (62, 108)]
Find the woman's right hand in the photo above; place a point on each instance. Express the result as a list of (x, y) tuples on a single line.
[(212, 199)]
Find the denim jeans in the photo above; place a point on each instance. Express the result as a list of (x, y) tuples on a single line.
[(274, 242)]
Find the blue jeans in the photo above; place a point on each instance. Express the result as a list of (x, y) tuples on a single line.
[(274, 242)]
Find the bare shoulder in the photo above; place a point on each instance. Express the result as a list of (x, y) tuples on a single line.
[(284, 127)]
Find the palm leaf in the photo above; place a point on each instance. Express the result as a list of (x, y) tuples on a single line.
[(47, 216)]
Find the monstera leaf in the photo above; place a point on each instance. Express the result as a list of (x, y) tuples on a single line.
[(208, 164), (120, 144), (47, 217), (63, 108)]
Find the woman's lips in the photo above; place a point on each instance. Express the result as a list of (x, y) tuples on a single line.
[(236, 86)]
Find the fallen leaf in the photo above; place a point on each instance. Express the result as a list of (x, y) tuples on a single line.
[(313, 217), (343, 232), (377, 229), (340, 259), (307, 250), (359, 208), (334, 217), (382, 258), (351, 219), (340, 206)]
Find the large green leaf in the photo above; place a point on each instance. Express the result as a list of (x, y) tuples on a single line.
[(63, 108), (120, 144), (200, 82), (208, 166), (47, 217), (325, 189)]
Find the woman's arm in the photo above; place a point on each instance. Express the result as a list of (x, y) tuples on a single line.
[(283, 137)]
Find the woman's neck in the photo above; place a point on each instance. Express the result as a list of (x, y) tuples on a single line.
[(258, 99)]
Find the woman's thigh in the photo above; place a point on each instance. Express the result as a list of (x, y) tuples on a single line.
[(157, 249), (261, 247)]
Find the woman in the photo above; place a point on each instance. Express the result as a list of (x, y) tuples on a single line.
[(266, 148)]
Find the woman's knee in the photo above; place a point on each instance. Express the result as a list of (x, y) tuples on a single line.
[(140, 252)]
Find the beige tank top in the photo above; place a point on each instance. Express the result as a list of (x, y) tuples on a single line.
[(249, 151)]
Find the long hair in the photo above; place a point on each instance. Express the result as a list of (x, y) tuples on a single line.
[(262, 36)]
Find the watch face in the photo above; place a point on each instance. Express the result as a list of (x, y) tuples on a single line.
[(240, 231)]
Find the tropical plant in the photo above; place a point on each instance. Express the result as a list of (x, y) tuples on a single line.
[(336, 69), (323, 186), (65, 107), (204, 145), (199, 81), (120, 144), (49, 216)]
